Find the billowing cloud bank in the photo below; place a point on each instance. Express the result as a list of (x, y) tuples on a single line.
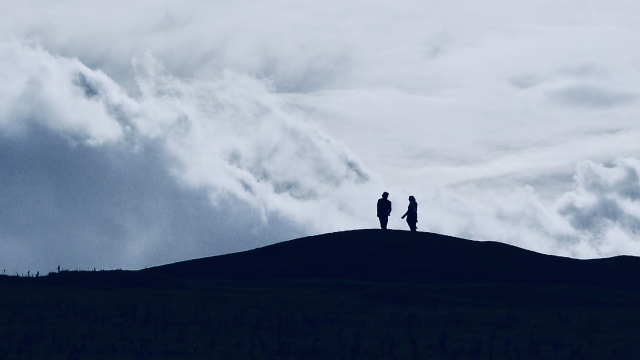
[(600, 217), (94, 178), (606, 205)]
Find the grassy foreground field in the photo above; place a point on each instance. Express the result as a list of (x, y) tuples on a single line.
[(149, 315)]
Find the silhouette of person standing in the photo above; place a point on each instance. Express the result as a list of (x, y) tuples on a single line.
[(384, 210), (412, 214)]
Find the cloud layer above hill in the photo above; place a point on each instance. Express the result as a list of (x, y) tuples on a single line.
[(135, 132), (93, 177)]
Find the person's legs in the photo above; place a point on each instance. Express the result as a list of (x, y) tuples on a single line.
[(383, 222), (412, 226)]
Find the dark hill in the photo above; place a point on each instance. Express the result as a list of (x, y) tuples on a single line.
[(405, 257), (365, 294)]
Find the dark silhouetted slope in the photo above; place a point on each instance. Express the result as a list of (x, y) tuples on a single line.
[(401, 256), (358, 294)]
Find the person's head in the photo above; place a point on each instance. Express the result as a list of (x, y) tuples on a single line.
[(385, 194), (412, 199)]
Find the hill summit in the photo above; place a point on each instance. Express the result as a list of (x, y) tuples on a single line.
[(403, 257)]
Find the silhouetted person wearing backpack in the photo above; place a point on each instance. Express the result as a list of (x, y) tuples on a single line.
[(412, 214), (384, 210)]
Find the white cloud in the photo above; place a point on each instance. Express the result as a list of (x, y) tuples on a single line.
[(600, 217), (605, 198), (37, 87), (118, 178)]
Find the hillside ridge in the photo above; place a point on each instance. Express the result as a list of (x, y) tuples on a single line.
[(401, 256)]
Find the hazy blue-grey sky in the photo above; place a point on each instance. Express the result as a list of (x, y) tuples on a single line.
[(135, 133)]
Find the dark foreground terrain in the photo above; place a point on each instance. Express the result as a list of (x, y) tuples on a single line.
[(364, 294)]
